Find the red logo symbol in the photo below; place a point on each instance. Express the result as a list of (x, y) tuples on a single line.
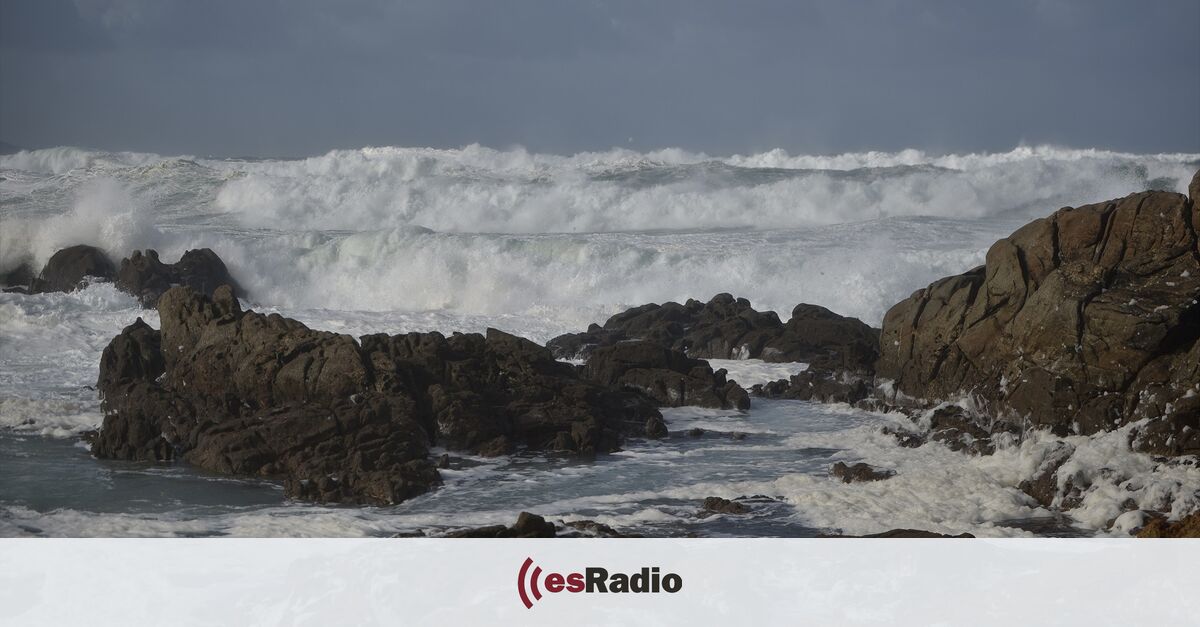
[(537, 572)]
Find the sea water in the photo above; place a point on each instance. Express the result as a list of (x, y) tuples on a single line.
[(405, 239)]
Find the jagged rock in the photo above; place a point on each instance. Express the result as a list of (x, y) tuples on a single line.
[(905, 438), (1160, 527), (18, 280), (69, 268), (717, 505), (591, 529), (1080, 322), (244, 393), (134, 355), (1043, 487), (817, 385), (144, 276), (950, 425), (729, 328), (668, 376), (859, 472), (914, 533), (489, 394), (141, 274), (527, 526)]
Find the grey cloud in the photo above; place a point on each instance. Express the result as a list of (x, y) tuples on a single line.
[(279, 77)]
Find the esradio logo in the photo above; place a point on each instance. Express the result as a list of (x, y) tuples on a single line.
[(531, 581)]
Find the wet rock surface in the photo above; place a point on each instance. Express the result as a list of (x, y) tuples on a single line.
[(250, 394), (729, 328), (71, 268), (824, 386), (1160, 527), (1044, 486), (144, 276), (141, 274), (668, 376), (860, 472), (527, 526), (914, 533), (717, 505), (1080, 322)]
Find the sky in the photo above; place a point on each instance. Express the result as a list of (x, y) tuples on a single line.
[(301, 77)]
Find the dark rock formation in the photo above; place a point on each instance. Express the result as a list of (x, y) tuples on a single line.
[(818, 385), (147, 278), (1043, 487), (729, 328), (859, 472), (717, 505), (914, 533), (527, 526), (668, 376), (1159, 527), (69, 268), (251, 394), (1080, 322), (590, 529), (140, 274), (18, 279)]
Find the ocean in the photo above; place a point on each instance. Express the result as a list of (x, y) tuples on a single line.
[(392, 239)]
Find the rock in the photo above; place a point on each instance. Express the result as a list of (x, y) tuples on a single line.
[(1043, 486), (859, 472), (1160, 527), (717, 505), (243, 393), (18, 279), (950, 425), (443, 461), (527, 526), (591, 529), (69, 269), (914, 533), (729, 328), (825, 386), (668, 376), (906, 439), (696, 433), (488, 394), (1080, 322), (147, 278), (134, 355)]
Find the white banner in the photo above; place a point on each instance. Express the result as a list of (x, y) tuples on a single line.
[(578, 582)]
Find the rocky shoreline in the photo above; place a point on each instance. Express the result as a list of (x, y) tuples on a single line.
[(1084, 322)]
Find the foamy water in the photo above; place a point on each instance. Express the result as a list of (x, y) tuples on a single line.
[(401, 239)]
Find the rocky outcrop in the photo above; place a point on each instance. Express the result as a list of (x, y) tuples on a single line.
[(1160, 527), (668, 376), (717, 505), (818, 385), (729, 328), (527, 526), (337, 419), (1080, 322), (860, 472), (18, 279), (1044, 488), (914, 533), (144, 276), (141, 274), (71, 268)]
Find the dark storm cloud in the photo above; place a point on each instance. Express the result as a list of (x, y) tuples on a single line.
[(300, 77)]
